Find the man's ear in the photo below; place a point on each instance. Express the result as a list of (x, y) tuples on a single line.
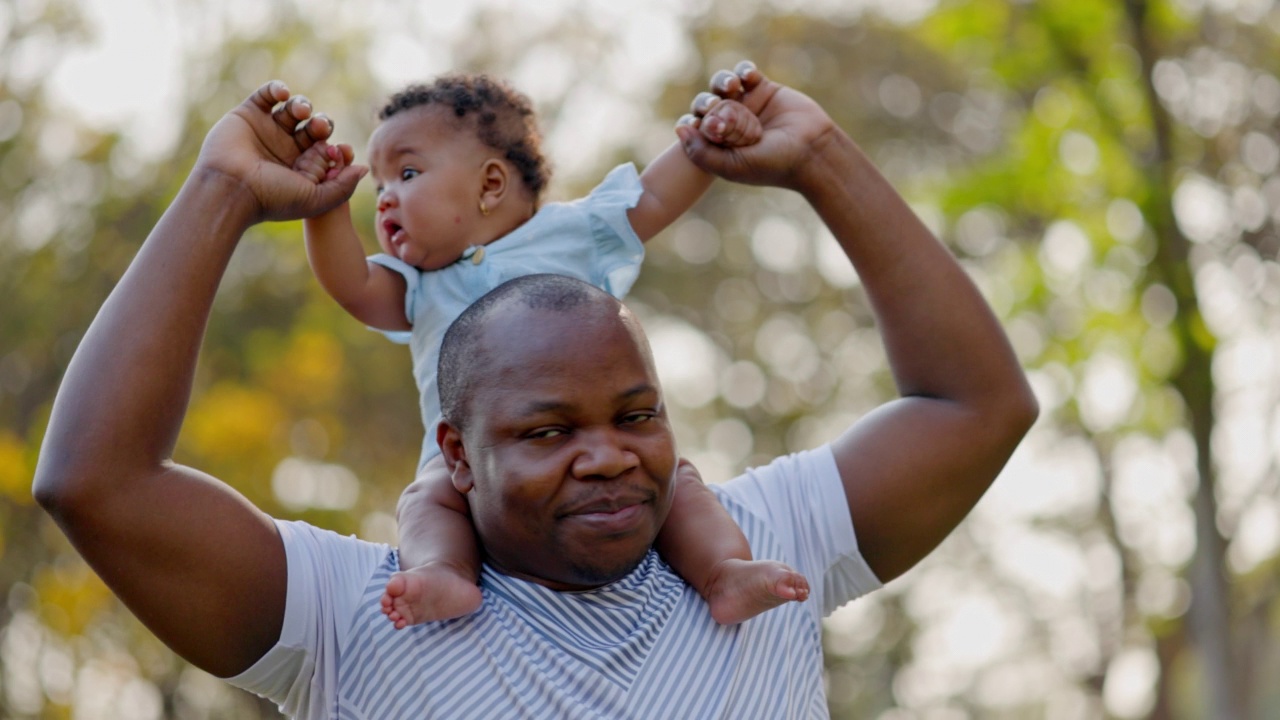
[(455, 457), (495, 180)]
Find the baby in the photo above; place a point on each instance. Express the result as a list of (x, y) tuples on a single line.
[(459, 177)]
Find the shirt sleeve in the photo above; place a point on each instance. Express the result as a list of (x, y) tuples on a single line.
[(412, 280), (619, 252), (802, 499), (328, 574)]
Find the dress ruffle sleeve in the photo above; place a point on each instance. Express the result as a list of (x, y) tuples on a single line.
[(619, 252)]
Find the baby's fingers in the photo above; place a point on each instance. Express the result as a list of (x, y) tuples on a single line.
[(729, 123), (314, 162), (343, 155)]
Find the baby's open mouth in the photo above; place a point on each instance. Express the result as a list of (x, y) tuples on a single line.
[(393, 231)]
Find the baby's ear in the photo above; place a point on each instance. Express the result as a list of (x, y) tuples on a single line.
[(495, 178)]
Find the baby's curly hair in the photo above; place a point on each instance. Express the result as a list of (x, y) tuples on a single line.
[(502, 117)]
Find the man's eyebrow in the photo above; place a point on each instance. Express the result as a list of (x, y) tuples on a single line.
[(640, 389), (534, 407)]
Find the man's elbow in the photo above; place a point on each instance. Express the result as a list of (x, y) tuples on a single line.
[(54, 486), (67, 485), (1018, 409), (51, 495)]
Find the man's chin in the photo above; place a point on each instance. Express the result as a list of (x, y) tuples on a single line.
[(598, 571)]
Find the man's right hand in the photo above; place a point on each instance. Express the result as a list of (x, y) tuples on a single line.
[(257, 144)]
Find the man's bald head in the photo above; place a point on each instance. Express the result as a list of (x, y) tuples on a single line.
[(462, 360)]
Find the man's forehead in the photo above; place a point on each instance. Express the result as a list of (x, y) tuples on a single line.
[(516, 329)]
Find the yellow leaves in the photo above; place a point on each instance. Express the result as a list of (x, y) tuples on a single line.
[(15, 470), (71, 596), (309, 371), (232, 424)]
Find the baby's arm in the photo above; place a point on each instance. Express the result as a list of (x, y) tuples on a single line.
[(438, 547), (707, 548), (372, 294), (672, 184)]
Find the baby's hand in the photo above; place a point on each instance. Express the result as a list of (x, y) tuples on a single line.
[(727, 123), (323, 161)]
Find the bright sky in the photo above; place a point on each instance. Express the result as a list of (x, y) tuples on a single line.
[(132, 69), (128, 73)]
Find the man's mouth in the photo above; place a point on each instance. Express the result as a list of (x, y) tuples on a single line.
[(610, 515), (605, 507), (611, 521)]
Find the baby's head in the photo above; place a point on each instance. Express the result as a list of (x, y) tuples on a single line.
[(457, 163)]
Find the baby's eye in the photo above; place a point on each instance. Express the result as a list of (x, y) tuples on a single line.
[(408, 174), (377, 190)]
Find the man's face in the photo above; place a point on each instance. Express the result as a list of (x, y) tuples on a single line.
[(567, 456)]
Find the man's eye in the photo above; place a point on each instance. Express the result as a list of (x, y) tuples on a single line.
[(546, 433), (408, 174), (637, 417)]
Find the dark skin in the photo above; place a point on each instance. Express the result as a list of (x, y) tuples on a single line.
[(144, 523), (566, 458), (964, 397), (105, 473)]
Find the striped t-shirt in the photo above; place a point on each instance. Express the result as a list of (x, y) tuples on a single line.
[(643, 647)]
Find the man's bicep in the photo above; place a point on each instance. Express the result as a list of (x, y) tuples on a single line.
[(912, 470), (195, 562)]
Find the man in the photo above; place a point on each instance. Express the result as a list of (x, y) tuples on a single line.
[(558, 435)]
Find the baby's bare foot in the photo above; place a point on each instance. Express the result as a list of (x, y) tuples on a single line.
[(428, 593), (741, 589)]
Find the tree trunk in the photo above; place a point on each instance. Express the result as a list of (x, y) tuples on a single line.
[(1210, 611)]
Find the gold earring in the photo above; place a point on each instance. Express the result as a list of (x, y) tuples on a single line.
[(484, 209)]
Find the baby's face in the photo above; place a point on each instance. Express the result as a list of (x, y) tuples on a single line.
[(428, 177)]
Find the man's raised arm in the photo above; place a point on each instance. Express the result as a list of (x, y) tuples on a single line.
[(198, 564), (914, 467)]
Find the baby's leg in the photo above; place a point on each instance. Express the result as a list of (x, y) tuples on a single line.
[(438, 546), (708, 549)]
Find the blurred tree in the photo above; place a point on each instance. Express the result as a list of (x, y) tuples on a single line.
[(1106, 171), (283, 371)]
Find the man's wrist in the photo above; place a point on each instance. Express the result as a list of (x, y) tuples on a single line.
[(238, 205), (835, 161)]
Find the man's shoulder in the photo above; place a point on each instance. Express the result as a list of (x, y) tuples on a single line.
[(315, 551), (757, 488)]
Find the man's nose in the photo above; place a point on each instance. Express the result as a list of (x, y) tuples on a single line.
[(602, 454)]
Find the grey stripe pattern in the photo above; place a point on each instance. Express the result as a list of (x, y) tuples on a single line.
[(644, 647)]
